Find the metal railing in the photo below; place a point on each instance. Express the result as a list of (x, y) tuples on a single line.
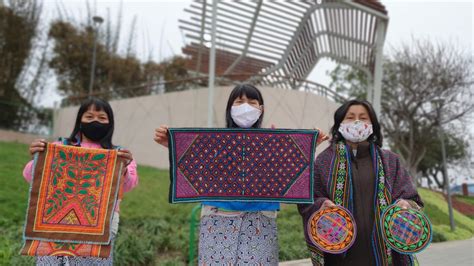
[(159, 87)]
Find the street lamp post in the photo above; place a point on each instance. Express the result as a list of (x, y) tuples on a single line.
[(97, 21), (446, 179), (445, 169), (212, 67)]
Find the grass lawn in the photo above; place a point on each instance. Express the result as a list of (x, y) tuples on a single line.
[(437, 210), (153, 232)]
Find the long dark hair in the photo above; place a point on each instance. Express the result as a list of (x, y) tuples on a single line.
[(99, 105), (375, 137), (250, 92)]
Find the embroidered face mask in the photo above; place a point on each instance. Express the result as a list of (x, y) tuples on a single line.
[(245, 115), (356, 131)]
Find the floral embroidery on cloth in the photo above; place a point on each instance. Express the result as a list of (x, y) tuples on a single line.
[(72, 200)]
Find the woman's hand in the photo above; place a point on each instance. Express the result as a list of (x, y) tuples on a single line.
[(161, 135), (326, 204), (321, 136), (37, 145), (404, 204), (126, 155)]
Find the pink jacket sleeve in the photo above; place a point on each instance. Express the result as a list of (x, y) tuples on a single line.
[(131, 177), (28, 171)]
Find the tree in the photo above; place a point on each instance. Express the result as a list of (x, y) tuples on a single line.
[(117, 75), (424, 86), (22, 65), (431, 166), (175, 69), (71, 61)]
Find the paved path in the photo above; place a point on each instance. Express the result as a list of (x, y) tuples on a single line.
[(306, 262), (453, 253)]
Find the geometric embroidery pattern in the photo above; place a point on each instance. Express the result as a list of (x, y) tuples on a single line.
[(73, 195), (332, 229), (241, 164), (341, 191), (41, 248), (407, 231)]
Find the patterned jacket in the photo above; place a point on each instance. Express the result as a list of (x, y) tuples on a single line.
[(398, 181)]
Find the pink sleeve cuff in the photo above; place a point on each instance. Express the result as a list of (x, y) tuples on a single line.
[(28, 171), (131, 177)]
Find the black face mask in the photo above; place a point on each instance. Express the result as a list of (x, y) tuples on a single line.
[(95, 131)]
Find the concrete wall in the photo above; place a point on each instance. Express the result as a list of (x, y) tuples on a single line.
[(13, 136), (136, 118)]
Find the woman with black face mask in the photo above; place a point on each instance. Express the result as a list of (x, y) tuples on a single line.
[(93, 128)]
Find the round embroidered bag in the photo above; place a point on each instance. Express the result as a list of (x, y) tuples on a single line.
[(332, 229), (406, 231)]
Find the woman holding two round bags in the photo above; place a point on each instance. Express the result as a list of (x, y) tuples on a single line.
[(356, 173)]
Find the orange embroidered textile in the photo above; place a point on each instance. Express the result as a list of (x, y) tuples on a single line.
[(41, 248), (332, 229), (73, 195)]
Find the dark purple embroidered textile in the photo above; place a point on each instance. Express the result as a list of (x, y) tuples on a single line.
[(271, 165)]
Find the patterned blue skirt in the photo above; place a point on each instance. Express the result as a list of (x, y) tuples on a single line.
[(249, 238)]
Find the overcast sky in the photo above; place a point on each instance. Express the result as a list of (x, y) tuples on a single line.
[(157, 29)]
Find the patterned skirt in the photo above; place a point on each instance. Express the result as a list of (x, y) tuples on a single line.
[(74, 261), (248, 238)]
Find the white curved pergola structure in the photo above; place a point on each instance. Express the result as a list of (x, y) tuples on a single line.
[(267, 39)]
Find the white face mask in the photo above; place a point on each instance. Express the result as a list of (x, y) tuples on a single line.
[(356, 131), (245, 115)]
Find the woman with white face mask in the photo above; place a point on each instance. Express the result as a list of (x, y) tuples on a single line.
[(373, 179), (237, 233)]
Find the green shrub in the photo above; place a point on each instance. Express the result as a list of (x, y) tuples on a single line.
[(444, 232)]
